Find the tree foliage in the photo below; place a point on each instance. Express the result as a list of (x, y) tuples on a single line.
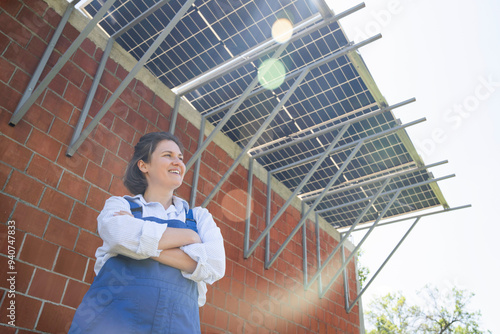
[(442, 313)]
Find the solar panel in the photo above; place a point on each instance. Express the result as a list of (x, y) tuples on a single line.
[(213, 33)]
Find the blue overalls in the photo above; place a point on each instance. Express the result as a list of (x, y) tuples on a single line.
[(140, 296)]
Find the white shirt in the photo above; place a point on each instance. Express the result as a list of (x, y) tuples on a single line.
[(138, 239)]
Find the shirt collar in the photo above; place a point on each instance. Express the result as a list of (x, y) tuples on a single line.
[(179, 204)]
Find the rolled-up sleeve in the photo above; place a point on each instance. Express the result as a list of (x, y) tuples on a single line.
[(209, 254), (126, 235)]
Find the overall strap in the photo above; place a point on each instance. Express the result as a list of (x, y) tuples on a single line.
[(135, 208)]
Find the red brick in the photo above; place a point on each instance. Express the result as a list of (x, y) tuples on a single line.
[(15, 30), (44, 170), (74, 293), (84, 217), (57, 105), (92, 151), (163, 122), (61, 233), (124, 130), (87, 243), (61, 131), (117, 187), (126, 151), (39, 118), (38, 252), (74, 186), (221, 319), (34, 23), (163, 107), (87, 63), (97, 198), (88, 46), (130, 98), (58, 86), (30, 308), (89, 277), (144, 92), (38, 7), (57, 203), (75, 96), (4, 174), (14, 154), (76, 164), (98, 176), (23, 277), (47, 285), (136, 121), (55, 318), (109, 81), (106, 138), (11, 7), (30, 219), (43, 144), (6, 205), (148, 112), (21, 58), (71, 264), (24, 187), (114, 164), (7, 70)]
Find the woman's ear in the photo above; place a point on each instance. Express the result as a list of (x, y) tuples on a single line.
[(143, 167)]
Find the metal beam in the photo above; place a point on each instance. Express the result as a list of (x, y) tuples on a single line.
[(258, 51), (361, 200), (317, 201), (372, 181), (227, 116), (350, 306), (21, 110), (320, 157), (139, 18), (256, 136), (334, 127), (175, 112), (413, 217), (297, 190), (90, 97), (344, 238), (194, 188), (72, 149), (354, 251), (351, 144), (367, 207), (44, 60)]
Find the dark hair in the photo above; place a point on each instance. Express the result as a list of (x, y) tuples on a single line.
[(134, 179)]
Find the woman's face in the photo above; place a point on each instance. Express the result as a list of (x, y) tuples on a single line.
[(166, 168)]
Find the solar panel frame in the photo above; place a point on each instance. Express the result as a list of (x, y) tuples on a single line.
[(214, 32)]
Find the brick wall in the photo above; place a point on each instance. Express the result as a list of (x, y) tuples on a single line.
[(53, 200)]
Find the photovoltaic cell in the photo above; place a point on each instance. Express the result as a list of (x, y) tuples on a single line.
[(212, 33)]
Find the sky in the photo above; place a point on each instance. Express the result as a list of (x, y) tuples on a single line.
[(446, 54)]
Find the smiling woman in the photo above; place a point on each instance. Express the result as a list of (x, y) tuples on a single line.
[(157, 253)]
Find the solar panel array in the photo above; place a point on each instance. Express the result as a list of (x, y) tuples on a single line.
[(214, 32)]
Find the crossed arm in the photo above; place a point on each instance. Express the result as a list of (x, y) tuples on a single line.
[(170, 243)]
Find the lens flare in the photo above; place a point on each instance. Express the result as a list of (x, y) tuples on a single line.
[(282, 30), (271, 73)]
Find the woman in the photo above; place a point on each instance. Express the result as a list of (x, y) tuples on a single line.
[(157, 254)]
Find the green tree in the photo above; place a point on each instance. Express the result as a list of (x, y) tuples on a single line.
[(442, 313)]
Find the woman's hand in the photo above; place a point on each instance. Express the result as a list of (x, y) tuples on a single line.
[(178, 237), (123, 213)]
